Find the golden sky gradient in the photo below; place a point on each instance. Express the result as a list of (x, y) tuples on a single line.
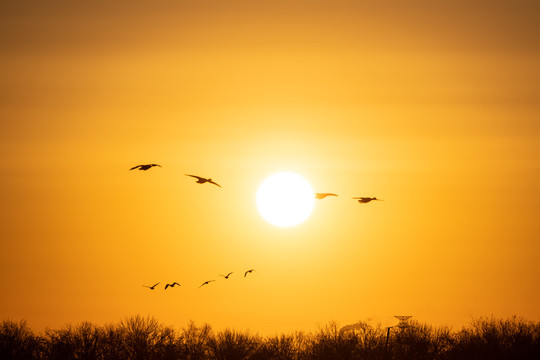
[(433, 106)]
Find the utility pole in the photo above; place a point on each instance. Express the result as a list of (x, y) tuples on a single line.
[(387, 337), (403, 323)]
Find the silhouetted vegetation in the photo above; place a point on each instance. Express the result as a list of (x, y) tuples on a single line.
[(140, 337)]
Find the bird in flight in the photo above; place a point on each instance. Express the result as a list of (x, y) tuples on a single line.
[(365, 200), (144, 167), (206, 282), (171, 285), (151, 287), (226, 276), (201, 180), (249, 271), (323, 195)]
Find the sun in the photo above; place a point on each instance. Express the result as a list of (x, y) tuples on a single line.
[(285, 199)]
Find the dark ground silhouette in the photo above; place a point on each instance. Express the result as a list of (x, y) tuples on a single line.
[(140, 337)]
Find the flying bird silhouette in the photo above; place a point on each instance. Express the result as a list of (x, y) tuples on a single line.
[(151, 287), (206, 282), (323, 195), (144, 167), (226, 276), (171, 285), (365, 200), (248, 272), (201, 180)]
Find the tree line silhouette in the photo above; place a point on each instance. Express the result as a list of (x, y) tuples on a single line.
[(139, 337)]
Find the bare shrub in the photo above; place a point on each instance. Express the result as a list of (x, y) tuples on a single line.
[(60, 344), (330, 343), (233, 345), (194, 342), (495, 339), (420, 341), (88, 341), (279, 347), (371, 341), (146, 338), (112, 340), (17, 341)]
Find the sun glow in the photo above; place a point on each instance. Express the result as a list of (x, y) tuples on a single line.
[(285, 199)]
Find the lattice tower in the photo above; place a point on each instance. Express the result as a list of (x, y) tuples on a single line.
[(403, 321)]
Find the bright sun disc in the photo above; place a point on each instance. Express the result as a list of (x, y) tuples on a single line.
[(285, 199)]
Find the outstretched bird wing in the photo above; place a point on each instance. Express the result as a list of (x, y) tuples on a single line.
[(195, 176), (215, 183), (144, 166), (323, 195), (150, 287), (206, 282)]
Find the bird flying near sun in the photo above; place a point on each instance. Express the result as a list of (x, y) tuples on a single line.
[(285, 199), (171, 285), (201, 180), (151, 287), (323, 195), (365, 200), (249, 272), (206, 283), (226, 276), (144, 167)]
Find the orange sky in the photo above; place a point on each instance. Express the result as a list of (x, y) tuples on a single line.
[(432, 106)]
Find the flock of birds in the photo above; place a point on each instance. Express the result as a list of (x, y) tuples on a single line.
[(201, 180), (226, 277), (361, 200)]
